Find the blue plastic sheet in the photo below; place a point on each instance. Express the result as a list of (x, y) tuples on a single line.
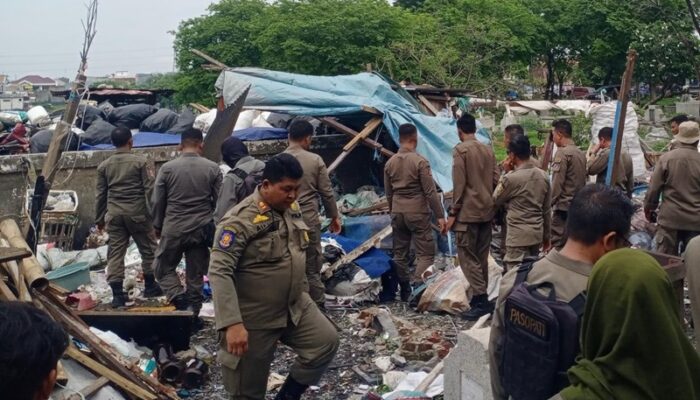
[(142, 139), (343, 95), (374, 262), (251, 134)]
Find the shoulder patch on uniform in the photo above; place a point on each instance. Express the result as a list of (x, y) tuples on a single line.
[(226, 238), (295, 206), (260, 218)]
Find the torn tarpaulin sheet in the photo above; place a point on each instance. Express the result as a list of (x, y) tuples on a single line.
[(250, 134), (375, 262)]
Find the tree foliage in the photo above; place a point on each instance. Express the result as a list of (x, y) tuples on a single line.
[(485, 46)]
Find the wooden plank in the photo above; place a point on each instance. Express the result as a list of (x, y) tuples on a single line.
[(367, 142), (113, 376), (360, 250), (548, 150), (620, 115), (89, 390), (209, 58), (428, 104), (13, 254), (61, 376), (200, 108), (368, 129)]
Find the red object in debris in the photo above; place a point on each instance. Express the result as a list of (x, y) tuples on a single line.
[(83, 300)]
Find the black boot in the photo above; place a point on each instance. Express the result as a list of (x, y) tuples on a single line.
[(480, 306), (406, 290), (291, 390), (390, 285), (152, 288), (119, 298), (180, 302)]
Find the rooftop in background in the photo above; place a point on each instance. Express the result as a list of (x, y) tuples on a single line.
[(118, 96), (35, 80)]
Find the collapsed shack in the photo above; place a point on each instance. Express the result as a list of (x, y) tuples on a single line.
[(121, 96)]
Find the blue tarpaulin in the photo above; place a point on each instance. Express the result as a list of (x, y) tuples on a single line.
[(375, 262), (343, 95), (251, 134)]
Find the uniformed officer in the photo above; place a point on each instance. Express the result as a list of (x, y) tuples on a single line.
[(124, 187), (676, 179), (313, 184), (258, 278), (526, 192), (474, 175), (675, 125), (597, 164), (411, 194), (568, 177), (235, 155), (599, 222), (183, 206)]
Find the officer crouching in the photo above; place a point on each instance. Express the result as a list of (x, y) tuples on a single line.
[(260, 292)]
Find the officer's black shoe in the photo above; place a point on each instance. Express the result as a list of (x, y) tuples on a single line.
[(406, 290), (480, 306), (291, 390), (152, 288), (180, 302), (119, 298)]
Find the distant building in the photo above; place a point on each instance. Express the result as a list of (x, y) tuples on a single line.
[(11, 102), (36, 83)]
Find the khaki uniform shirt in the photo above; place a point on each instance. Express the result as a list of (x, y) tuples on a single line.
[(526, 192), (676, 178), (569, 278), (258, 266), (185, 194), (228, 195), (474, 176), (409, 185), (598, 165), (568, 176), (124, 185), (315, 182)]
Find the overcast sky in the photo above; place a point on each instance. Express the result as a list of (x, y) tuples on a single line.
[(132, 35)]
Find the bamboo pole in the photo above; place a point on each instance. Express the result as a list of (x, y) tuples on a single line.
[(31, 270)]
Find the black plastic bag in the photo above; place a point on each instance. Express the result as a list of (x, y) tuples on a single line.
[(184, 123), (87, 115), (131, 116), (40, 141), (161, 121), (100, 132)]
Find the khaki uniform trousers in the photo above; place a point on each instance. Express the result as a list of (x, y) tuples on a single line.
[(473, 250), (120, 228), (314, 262), (516, 254), (195, 245), (313, 339), (416, 227), (692, 264), (671, 241), (558, 228)]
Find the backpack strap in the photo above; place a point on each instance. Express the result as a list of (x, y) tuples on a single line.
[(578, 303), (240, 173), (523, 270)]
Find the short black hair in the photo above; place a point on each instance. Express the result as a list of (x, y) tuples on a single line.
[(406, 131), (519, 145), (563, 126), (467, 123), (679, 119), (513, 129), (597, 210), (282, 166), (120, 136), (605, 133), (31, 345), (300, 129), (191, 136)]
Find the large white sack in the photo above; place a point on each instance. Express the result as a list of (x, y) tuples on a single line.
[(245, 119), (38, 116), (204, 121), (604, 115)]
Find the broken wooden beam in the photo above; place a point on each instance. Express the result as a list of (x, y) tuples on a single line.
[(108, 373), (367, 142), (218, 64), (88, 390), (366, 131), (428, 105), (360, 250), (13, 254), (199, 107)]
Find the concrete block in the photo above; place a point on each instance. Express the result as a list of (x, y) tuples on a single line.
[(691, 108), (467, 367)]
